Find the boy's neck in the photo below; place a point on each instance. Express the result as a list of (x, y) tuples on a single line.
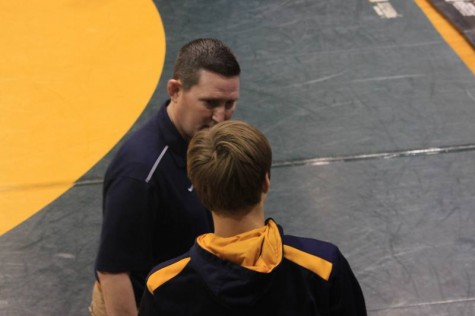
[(227, 226)]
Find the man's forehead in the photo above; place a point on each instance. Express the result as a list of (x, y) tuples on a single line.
[(220, 87)]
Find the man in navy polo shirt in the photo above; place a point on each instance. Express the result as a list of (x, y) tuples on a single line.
[(151, 212)]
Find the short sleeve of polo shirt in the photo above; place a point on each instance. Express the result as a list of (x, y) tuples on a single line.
[(129, 211)]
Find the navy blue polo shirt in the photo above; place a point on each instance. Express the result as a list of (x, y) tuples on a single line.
[(150, 211)]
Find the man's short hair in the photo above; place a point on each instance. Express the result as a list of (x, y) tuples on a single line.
[(227, 165), (204, 53)]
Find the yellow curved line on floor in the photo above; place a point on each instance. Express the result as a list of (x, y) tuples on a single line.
[(455, 40), (74, 77)]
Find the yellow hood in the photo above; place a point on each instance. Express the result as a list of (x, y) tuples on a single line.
[(259, 249)]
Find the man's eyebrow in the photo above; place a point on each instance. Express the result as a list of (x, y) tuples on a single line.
[(217, 99)]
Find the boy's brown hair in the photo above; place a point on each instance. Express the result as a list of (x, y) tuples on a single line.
[(227, 165)]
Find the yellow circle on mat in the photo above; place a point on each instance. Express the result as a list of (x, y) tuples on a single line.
[(74, 77)]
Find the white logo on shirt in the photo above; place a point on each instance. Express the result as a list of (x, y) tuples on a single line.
[(190, 189)]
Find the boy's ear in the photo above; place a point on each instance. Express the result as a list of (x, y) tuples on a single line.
[(173, 88), (266, 184)]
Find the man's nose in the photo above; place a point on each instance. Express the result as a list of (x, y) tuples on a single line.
[(219, 114)]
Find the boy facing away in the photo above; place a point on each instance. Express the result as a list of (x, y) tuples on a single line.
[(247, 266)]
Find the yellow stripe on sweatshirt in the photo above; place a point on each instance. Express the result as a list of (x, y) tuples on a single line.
[(317, 265), (165, 274)]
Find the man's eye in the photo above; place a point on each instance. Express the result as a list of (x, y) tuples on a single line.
[(229, 105), (211, 103)]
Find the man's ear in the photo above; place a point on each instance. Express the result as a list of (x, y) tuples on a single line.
[(266, 184), (174, 87)]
